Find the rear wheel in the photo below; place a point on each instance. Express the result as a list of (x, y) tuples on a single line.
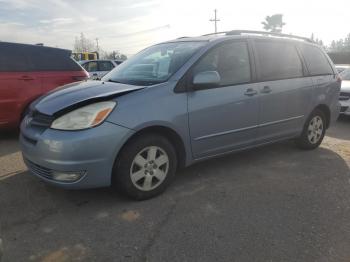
[(314, 131), (145, 167)]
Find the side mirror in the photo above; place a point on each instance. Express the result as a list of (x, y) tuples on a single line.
[(207, 79)]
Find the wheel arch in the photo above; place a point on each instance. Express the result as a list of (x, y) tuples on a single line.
[(327, 112), (169, 133)]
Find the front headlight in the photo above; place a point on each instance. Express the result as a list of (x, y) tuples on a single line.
[(84, 117)]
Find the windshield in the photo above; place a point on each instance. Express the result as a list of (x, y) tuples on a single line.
[(155, 64), (345, 75)]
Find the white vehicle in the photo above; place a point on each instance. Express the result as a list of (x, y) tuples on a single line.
[(98, 68), (344, 97), (341, 68)]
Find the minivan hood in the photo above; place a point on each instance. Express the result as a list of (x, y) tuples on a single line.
[(345, 86), (79, 94)]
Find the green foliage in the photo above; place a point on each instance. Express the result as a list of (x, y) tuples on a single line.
[(274, 23)]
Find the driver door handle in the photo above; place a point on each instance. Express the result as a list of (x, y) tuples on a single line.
[(26, 78)]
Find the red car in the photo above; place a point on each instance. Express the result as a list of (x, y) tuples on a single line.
[(29, 71)]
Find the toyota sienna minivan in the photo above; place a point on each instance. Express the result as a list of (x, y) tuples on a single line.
[(177, 103)]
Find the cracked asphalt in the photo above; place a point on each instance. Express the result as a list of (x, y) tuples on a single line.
[(274, 203)]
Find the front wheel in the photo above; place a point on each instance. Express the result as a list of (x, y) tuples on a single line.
[(313, 132), (145, 167)]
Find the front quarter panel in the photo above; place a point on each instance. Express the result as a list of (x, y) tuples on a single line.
[(154, 106)]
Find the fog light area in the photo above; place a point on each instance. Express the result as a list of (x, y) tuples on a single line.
[(67, 176)]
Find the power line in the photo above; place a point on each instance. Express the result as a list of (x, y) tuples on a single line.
[(215, 20)]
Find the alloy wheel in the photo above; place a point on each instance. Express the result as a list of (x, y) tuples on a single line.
[(149, 168), (315, 129)]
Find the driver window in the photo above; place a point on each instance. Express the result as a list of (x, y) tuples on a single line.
[(230, 60), (91, 66)]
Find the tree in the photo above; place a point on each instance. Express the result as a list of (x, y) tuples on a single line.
[(341, 45), (83, 44), (114, 55), (274, 23)]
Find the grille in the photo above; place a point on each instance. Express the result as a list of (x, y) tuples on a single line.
[(343, 109), (38, 170), (29, 140), (40, 119), (344, 96)]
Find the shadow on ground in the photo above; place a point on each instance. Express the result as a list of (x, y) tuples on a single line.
[(341, 130), (8, 142)]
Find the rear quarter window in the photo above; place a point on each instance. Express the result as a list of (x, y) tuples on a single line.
[(278, 60), (13, 58), (52, 60), (316, 61)]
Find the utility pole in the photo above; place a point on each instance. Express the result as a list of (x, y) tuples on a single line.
[(97, 47), (215, 20)]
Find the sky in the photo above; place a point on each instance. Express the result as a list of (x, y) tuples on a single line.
[(131, 25)]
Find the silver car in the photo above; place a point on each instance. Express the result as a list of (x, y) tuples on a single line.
[(344, 97), (178, 103), (98, 68)]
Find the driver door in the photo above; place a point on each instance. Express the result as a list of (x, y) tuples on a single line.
[(224, 118)]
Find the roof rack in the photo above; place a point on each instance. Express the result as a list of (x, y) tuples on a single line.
[(240, 32)]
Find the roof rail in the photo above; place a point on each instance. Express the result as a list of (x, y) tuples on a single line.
[(240, 32), (218, 33)]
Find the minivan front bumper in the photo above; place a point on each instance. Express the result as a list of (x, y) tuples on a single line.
[(73, 159)]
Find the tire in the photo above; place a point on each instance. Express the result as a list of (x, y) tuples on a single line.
[(145, 167), (313, 131)]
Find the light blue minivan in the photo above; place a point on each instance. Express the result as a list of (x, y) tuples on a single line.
[(177, 103)]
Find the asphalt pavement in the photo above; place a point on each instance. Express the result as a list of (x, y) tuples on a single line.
[(274, 203)]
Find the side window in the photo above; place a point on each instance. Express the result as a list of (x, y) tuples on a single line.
[(230, 60), (278, 60), (14, 59), (91, 66), (316, 61), (105, 66), (51, 59)]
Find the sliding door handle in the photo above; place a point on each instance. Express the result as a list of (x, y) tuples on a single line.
[(266, 90), (250, 92)]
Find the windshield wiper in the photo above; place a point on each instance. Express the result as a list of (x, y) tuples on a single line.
[(114, 81)]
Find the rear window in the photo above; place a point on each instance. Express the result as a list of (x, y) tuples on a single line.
[(25, 58), (91, 66), (278, 60), (316, 61), (105, 66)]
